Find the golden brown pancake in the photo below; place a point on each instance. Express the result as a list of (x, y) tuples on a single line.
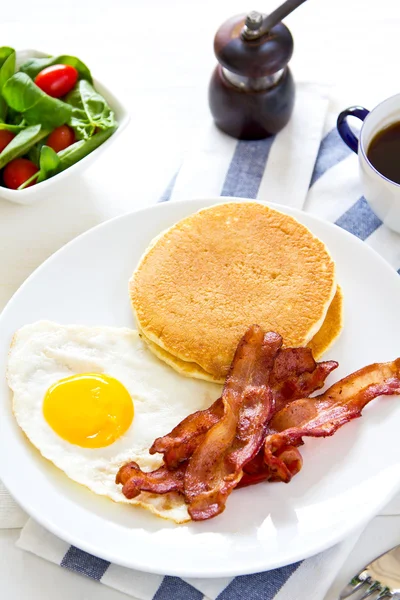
[(320, 343), (207, 278), (331, 328), (184, 367)]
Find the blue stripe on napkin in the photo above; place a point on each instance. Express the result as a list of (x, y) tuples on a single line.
[(331, 151), (174, 588), (168, 190), (359, 220), (84, 563), (247, 168), (260, 586)]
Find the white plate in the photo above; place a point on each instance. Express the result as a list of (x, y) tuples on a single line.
[(345, 479)]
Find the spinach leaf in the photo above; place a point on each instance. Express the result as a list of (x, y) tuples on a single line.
[(22, 142), (34, 153), (33, 66), (7, 69), (49, 162), (48, 165), (24, 96), (13, 128), (90, 110), (5, 52), (15, 118), (82, 148), (15, 121)]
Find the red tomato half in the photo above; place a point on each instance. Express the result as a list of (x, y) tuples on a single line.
[(57, 80), (18, 171), (5, 138), (61, 138)]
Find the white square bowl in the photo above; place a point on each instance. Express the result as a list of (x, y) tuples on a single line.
[(34, 193)]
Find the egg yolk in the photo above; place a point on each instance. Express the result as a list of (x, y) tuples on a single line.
[(90, 410)]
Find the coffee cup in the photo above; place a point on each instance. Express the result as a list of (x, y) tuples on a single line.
[(381, 193)]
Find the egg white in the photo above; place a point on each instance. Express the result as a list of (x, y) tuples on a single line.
[(44, 352)]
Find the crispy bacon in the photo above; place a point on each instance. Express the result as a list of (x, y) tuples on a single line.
[(258, 470), (182, 441), (253, 431), (160, 481), (215, 467), (323, 415), (292, 459), (295, 374)]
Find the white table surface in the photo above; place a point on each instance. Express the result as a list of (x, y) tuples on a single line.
[(158, 55)]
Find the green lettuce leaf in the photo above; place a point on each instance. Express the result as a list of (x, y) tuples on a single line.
[(24, 96), (90, 111)]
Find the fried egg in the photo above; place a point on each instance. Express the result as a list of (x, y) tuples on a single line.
[(93, 398)]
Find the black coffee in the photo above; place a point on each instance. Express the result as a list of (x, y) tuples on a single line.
[(384, 152)]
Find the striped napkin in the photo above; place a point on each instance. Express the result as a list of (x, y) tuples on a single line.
[(297, 169)]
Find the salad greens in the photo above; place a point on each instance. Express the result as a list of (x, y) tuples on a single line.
[(89, 110), (49, 161), (7, 68), (76, 151), (25, 97), (30, 114), (22, 142)]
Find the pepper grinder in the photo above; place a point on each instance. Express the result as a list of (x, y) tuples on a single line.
[(251, 92)]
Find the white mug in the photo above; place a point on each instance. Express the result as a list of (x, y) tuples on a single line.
[(382, 194)]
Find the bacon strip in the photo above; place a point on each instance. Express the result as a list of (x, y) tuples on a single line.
[(253, 431), (323, 415), (160, 481), (215, 467), (258, 470), (295, 374), (182, 441)]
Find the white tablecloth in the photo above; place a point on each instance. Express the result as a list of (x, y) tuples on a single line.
[(158, 55)]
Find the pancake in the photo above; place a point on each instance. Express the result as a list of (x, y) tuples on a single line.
[(320, 343), (184, 367), (331, 327), (201, 283)]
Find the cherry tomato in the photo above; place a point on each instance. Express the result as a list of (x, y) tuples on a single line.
[(61, 138), (5, 138), (18, 171), (57, 80)]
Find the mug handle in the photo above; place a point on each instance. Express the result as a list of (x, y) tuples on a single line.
[(344, 128)]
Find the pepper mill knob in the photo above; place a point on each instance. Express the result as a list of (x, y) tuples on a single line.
[(251, 93), (253, 23)]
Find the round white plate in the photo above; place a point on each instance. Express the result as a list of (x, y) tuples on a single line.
[(345, 479)]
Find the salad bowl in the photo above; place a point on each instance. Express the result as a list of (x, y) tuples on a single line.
[(34, 193)]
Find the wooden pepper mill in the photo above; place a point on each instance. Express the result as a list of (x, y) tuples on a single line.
[(251, 93)]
